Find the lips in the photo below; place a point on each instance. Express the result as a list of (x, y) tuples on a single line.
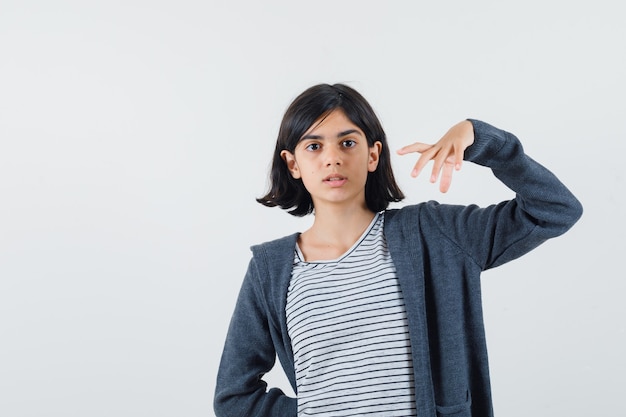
[(335, 180)]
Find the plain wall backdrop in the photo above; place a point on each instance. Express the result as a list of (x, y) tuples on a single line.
[(134, 137)]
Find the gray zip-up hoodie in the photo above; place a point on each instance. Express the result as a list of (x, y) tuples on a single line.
[(439, 252)]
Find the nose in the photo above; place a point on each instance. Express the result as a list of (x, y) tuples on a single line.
[(332, 156)]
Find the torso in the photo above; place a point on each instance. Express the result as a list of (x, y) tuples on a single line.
[(347, 322)]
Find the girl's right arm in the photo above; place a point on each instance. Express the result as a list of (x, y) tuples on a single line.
[(248, 355)]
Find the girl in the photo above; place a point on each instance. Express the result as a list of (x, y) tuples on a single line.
[(372, 311)]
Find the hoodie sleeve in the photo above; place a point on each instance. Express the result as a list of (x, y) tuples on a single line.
[(248, 355), (543, 207)]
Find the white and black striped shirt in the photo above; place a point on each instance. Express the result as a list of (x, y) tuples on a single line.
[(349, 333)]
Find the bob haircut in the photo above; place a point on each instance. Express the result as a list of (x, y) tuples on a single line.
[(314, 103)]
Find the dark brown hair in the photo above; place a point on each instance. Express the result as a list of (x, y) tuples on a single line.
[(317, 101)]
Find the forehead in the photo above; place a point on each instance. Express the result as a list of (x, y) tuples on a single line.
[(332, 122)]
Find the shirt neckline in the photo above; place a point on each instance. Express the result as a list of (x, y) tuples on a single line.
[(300, 255)]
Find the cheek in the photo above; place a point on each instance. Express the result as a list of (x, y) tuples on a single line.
[(308, 183)]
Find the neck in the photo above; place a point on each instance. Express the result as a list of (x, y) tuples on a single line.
[(340, 225)]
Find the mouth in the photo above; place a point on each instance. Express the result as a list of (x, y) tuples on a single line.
[(335, 180), (335, 177)]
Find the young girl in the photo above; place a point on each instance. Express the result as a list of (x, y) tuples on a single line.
[(376, 312)]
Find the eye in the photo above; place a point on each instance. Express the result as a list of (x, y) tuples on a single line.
[(348, 143), (312, 147)]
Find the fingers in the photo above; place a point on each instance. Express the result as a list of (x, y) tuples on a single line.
[(420, 164), (446, 159), (447, 154), (438, 163), (458, 157), (446, 175), (451, 164), (425, 156), (414, 147)]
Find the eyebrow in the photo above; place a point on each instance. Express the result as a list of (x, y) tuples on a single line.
[(339, 135)]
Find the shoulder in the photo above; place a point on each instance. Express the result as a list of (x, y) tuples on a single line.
[(275, 257), (276, 247), (413, 211), (399, 220), (427, 218), (270, 269)]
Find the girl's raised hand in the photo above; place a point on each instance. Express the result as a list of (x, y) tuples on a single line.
[(446, 154)]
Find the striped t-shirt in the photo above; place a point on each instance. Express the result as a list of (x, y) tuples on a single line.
[(349, 333)]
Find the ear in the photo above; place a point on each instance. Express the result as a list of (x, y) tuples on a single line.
[(292, 165), (374, 156)]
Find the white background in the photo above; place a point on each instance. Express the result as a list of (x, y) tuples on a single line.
[(134, 137)]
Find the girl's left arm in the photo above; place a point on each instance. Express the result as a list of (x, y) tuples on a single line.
[(543, 207)]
